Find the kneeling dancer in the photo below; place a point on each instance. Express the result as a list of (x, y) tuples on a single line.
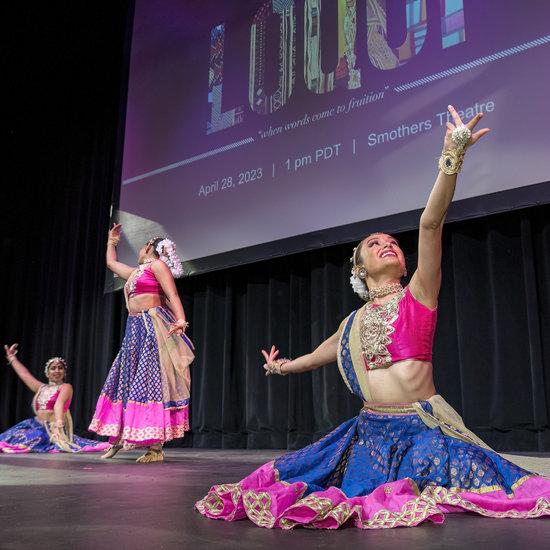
[(51, 429), (407, 457)]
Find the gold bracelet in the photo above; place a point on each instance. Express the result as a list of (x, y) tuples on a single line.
[(450, 161), (113, 240), (275, 367)]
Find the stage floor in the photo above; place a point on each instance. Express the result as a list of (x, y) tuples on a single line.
[(69, 501)]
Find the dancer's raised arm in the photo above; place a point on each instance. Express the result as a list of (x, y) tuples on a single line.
[(426, 281), (122, 270), (26, 377)]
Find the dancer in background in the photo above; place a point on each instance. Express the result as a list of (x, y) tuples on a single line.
[(407, 457), (51, 430), (145, 399)]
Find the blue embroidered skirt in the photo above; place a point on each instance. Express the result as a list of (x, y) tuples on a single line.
[(380, 470), (30, 436)]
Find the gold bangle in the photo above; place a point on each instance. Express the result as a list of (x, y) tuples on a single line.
[(113, 240), (275, 367), (450, 161)]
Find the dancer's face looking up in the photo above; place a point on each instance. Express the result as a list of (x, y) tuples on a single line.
[(381, 255)]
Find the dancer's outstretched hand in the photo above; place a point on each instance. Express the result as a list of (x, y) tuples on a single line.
[(11, 351), (178, 328), (115, 231), (270, 357), (449, 143)]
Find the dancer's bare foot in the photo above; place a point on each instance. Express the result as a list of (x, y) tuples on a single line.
[(153, 454), (112, 451)]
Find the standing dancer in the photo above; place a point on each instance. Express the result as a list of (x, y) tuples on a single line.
[(51, 430), (145, 399), (407, 457)]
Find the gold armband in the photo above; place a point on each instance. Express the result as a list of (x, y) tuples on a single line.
[(275, 367), (450, 161)]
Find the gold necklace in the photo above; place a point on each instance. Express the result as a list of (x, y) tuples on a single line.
[(376, 329), (384, 290)]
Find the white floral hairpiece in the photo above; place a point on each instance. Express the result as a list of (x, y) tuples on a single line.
[(166, 249), (357, 279), (359, 286), (54, 360)]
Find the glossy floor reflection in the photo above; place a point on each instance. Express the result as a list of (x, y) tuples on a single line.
[(68, 501)]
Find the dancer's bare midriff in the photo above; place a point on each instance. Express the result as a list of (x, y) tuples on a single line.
[(143, 302), (403, 382), (45, 416)]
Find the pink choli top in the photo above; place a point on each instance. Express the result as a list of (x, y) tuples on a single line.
[(413, 330), (46, 396), (401, 329), (143, 281)]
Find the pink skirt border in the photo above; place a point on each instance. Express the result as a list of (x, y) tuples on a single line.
[(137, 423), (271, 503)]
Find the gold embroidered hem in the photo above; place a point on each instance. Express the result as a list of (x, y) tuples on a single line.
[(412, 512), (139, 434), (257, 505), (441, 495), (212, 503), (407, 408)]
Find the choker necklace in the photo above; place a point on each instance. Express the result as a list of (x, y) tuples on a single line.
[(384, 290)]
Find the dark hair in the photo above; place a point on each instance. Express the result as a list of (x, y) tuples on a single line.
[(154, 241), (357, 254)]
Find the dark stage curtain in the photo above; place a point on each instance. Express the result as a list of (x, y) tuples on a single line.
[(66, 67), (492, 349)]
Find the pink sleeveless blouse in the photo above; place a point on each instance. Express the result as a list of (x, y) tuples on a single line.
[(414, 330), (143, 281), (46, 397)]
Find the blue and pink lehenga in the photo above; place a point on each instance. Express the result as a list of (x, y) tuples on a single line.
[(145, 399), (393, 465), (34, 435)]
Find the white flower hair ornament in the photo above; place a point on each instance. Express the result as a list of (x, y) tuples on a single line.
[(54, 360), (358, 277), (359, 286), (166, 249)]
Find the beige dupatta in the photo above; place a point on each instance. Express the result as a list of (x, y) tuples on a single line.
[(175, 357)]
